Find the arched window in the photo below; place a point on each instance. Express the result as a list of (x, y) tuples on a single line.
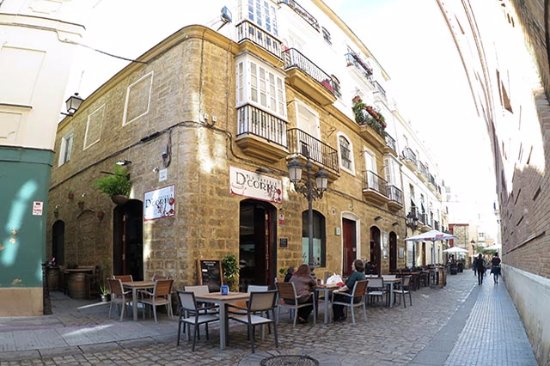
[(346, 153), (319, 239)]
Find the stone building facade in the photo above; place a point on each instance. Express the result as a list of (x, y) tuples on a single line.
[(210, 121)]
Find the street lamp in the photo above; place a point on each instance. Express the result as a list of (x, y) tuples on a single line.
[(312, 188), (411, 220)]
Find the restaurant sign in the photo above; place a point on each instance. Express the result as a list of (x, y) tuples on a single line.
[(159, 203), (255, 185)]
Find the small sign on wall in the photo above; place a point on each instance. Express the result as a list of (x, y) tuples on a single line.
[(159, 203), (283, 242), (37, 208)]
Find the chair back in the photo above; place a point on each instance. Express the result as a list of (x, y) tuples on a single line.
[(115, 286), (406, 281), (159, 277), (187, 301), (163, 287), (261, 301), (198, 290), (359, 288), (287, 291), (123, 278), (376, 282), (256, 288)]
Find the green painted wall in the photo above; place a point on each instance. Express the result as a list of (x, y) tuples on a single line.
[(24, 179)]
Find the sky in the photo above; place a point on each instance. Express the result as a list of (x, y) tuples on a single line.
[(409, 39)]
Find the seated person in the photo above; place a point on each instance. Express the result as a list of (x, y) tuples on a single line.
[(369, 268), (304, 285), (357, 275), (289, 273)]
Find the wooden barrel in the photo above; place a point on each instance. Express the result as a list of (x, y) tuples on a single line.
[(53, 278), (77, 285)]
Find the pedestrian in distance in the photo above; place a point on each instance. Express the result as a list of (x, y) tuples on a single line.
[(474, 266), (480, 264), (495, 268)]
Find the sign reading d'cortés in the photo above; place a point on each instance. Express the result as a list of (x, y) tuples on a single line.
[(159, 203), (255, 185)]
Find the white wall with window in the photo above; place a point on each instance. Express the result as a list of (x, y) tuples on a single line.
[(345, 153)]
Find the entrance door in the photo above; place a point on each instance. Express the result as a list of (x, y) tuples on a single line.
[(128, 239), (58, 242), (349, 250), (257, 244), (393, 251), (375, 256)]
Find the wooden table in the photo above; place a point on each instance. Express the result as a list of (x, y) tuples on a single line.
[(137, 285), (222, 301), (326, 289)]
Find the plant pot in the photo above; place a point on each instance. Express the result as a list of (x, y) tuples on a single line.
[(105, 298), (119, 199)]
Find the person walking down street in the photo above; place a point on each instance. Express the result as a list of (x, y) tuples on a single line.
[(495, 267), (474, 266), (304, 284), (357, 275), (480, 264)]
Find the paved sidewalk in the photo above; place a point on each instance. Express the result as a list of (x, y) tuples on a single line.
[(460, 324)]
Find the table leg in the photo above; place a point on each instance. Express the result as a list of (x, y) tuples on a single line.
[(391, 294), (134, 303), (222, 325), (326, 295)]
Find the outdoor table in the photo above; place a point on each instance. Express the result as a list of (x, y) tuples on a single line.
[(326, 289), (135, 286), (389, 281), (222, 301)]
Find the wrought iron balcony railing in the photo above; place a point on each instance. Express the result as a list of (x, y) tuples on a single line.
[(410, 155), (298, 9), (436, 225), (375, 182), (248, 30), (380, 89), (254, 121), (300, 142), (394, 193), (423, 218), (423, 168), (294, 58), (390, 142)]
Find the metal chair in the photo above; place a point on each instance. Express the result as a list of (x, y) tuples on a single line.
[(191, 314), (287, 293), (118, 296), (259, 303), (161, 295), (123, 278), (376, 289), (403, 289), (357, 294)]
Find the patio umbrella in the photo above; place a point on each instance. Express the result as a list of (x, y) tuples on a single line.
[(433, 236), (455, 250)]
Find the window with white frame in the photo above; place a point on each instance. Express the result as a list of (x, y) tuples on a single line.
[(308, 121), (346, 154), (371, 172), (93, 127), (263, 14), (65, 149), (260, 85)]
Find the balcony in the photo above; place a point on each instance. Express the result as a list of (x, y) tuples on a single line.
[(303, 144), (255, 39), (395, 196), (391, 147), (298, 9), (375, 189), (423, 223), (261, 134), (422, 172), (308, 78), (409, 159), (380, 91), (363, 67)]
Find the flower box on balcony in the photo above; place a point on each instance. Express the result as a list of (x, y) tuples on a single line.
[(362, 112)]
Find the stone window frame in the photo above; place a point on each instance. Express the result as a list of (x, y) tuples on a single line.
[(87, 144), (126, 101)]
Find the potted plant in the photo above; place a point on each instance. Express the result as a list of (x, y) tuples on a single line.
[(117, 185), (230, 267), (104, 293)]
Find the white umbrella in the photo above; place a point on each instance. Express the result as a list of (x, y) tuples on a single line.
[(496, 247), (455, 250), (433, 236)]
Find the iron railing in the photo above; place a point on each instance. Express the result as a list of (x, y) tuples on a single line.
[(254, 121), (390, 142), (248, 30), (375, 182), (380, 89), (395, 194), (300, 142), (423, 168), (298, 9), (294, 58), (409, 155)]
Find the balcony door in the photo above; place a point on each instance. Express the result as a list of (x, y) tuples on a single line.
[(393, 251), (375, 252), (308, 121), (370, 165)]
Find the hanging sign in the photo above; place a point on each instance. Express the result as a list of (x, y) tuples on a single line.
[(159, 203), (255, 185)]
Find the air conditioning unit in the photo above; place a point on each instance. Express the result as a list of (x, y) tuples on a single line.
[(226, 16)]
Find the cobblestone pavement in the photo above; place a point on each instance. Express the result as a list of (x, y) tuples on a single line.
[(390, 336)]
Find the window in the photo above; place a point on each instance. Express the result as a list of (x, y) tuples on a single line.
[(319, 239), (346, 154), (138, 99), (260, 85), (263, 14), (66, 149), (370, 165), (308, 121), (326, 35)]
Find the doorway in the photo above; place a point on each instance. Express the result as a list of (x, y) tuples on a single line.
[(257, 244), (349, 250), (393, 252), (375, 255), (128, 240), (58, 242)]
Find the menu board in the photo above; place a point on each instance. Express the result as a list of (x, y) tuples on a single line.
[(210, 273)]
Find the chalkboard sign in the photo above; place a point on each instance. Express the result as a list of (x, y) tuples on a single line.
[(210, 274)]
